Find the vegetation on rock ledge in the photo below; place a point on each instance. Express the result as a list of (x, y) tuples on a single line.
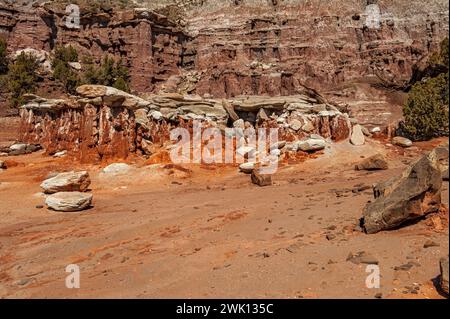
[(426, 111), (22, 77), (62, 71), (109, 73), (3, 57)]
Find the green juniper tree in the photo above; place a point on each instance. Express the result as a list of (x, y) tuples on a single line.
[(3, 57), (22, 77), (62, 71), (426, 110), (109, 73)]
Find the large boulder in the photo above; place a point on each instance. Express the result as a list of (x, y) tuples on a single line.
[(375, 162), (412, 195), (67, 182), (69, 201), (357, 137), (443, 263)]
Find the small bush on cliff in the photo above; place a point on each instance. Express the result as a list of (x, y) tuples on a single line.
[(22, 77), (426, 111), (441, 57), (3, 57), (109, 73), (62, 71)]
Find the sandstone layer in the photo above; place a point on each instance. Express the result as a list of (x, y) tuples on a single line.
[(103, 122)]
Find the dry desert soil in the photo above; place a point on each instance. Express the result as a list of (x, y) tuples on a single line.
[(207, 232)]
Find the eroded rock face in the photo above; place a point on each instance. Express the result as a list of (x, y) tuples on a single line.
[(106, 123), (152, 44), (260, 48), (412, 195)]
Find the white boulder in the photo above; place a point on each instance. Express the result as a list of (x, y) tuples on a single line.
[(67, 182), (402, 141), (117, 168), (311, 144), (69, 201)]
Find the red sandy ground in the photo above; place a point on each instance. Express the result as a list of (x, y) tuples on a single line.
[(206, 233)]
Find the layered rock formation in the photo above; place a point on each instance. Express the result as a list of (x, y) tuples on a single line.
[(103, 122), (264, 48), (251, 47), (150, 43), (246, 47)]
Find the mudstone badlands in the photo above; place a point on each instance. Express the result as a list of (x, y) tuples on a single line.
[(87, 178)]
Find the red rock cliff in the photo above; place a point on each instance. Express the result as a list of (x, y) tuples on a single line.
[(227, 48)]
